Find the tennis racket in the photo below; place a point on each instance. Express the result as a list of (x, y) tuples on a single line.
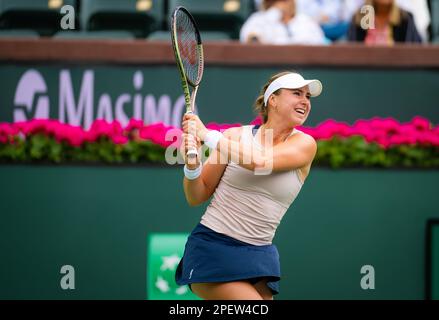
[(188, 51)]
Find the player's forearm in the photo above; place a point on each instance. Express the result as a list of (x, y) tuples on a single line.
[(246, 155), (194, 190)]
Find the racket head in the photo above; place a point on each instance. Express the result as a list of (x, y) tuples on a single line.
[(188, 48)]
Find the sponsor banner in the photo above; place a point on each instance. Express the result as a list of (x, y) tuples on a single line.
[(80, 96), (165, 251)]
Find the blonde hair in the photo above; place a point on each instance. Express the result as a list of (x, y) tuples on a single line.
[(259, 106), (395, 13)]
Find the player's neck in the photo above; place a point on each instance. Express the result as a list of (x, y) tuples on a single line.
[(279, 134)]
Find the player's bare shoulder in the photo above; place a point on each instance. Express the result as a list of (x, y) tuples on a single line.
[(308, 145), (304, 138), (305, 143)]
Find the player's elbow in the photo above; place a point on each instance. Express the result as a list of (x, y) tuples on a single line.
[(195, 195), (193, 203)]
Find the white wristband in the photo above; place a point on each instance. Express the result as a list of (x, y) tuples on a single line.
[(192, 174), (212, 138)]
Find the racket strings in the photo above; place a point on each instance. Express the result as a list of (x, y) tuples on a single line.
[(190, 51)]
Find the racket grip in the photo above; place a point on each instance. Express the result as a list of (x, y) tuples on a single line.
[(192, 153)]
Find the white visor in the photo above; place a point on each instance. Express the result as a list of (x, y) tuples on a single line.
[(293, 81)]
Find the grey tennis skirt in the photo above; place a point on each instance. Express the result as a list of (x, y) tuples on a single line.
[(210, 256)]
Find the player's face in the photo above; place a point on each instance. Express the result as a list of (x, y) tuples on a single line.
[(294, 104)]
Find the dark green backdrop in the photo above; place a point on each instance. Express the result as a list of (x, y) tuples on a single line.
[(97, 219), (433, 251)]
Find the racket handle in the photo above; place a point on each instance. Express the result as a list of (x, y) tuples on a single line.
[(192, 153)]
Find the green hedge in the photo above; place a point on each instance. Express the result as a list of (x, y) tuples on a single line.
[(336, 153)]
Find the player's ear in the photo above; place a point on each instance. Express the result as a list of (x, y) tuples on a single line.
[(272, 100)]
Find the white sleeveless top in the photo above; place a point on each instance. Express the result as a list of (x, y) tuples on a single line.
[(249, 207)]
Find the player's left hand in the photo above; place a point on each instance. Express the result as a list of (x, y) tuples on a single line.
[(193, 125)]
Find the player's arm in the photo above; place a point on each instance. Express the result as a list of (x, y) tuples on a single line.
[(201, 189), (298, 151)]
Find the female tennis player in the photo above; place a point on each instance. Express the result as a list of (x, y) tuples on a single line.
[(229, 255)]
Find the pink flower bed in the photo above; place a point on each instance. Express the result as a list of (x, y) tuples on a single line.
[(387, 132)]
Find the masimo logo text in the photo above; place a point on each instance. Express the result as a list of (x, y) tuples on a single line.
[(32, 101)]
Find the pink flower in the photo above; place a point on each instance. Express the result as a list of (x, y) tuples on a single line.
[(213, 126), (408, 131), (134, 124), (119, 139), (396, 140), (221, 127), (36, 126), (308, 130), (327, 129), (101, 128), (257, 121), (420, 123), (384, 125), (73, 135), (156, 133), (383, 141), (8, 129), (343, 129)]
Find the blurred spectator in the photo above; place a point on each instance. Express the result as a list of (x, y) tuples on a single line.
[(421, 14), (351, 7), (418, 8), (330, 14), (392, 24), (258, 4), (278, 23)]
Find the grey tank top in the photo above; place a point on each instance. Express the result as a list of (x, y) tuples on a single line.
[(249, 207)]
